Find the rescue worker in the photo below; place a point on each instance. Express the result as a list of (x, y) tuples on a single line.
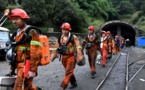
[(111, 44), (26, 50), (122, 42), (104, 47), (117, 44), (66, 45), (92, 44)]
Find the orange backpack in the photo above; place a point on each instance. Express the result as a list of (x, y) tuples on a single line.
[(44, 44), (45, 50)]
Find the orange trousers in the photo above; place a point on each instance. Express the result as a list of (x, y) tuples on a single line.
[(69, 63), (92, 53), (20, 79), (116, 49), (104, 56)]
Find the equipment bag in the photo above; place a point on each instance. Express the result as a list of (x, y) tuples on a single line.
[(44, 44), (45, 50)]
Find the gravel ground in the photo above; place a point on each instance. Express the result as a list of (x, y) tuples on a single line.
[(50, 76)]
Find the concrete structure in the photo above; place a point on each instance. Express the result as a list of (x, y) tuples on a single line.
[(116, 27), (122, 28)]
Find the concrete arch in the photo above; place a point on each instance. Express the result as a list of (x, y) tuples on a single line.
[(122, 28)]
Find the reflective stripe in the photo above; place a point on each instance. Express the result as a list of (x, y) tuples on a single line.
[(70, 49), (35, 43), (54, 48), (79, 47), (24, 48)]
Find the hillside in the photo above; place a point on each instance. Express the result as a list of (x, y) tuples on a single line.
[(79, 13)]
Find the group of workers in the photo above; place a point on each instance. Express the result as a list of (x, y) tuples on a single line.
[(66, 45)]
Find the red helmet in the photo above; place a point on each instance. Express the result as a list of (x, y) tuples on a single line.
[(20, 13), (103, 32), (66, 26), (108, 32), (91, 28)]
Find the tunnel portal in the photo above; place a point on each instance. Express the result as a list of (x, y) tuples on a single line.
[(121, 28)]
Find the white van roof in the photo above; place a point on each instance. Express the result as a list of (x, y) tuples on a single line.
[(4, 29)]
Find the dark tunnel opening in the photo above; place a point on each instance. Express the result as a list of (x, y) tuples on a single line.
[(125, 30)]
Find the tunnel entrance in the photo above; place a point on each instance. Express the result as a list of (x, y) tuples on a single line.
[(121, 28)]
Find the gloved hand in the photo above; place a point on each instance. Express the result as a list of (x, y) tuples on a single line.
[(31, 74), (52, 59)]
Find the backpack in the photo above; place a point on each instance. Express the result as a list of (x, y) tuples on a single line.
[(44, 44), (43, 40)]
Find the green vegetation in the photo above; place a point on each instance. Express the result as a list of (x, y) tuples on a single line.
[(79, 13)]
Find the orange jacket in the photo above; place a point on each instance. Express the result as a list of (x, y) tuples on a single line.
[(122, 41), (111, 42), (71, 47), (104, 43), (33, 50), (93, 40)]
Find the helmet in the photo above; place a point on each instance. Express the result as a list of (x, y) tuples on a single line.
[(9, 56), (103, 32), (108, 32), (116, 36), (66, 26), (91, 28), (19, 12)]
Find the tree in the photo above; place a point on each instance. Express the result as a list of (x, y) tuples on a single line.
[(2, 6), (126, 7), (36, 10), (66, 11)]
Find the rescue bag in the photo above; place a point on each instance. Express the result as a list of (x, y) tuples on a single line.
[(44, 44), (43, 40), (45, 50), (82, 62)]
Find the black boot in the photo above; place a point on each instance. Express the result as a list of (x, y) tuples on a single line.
[(93, 76), (103, 66), (73, 86), (73, 82), (39, 88)]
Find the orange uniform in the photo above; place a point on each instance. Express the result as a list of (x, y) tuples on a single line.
[(33, 52), (111, 45), (122, 42), (91, 42), (28, 50), (104, 47), (117, 45), (68, 59)]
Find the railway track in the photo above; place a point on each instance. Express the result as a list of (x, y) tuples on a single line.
[(110, 75), (128, 75)]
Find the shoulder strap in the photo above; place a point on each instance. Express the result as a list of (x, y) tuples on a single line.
[(88, 38), (71, 39)]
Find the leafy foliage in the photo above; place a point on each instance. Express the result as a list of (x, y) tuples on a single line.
[(80, 13), (36, 10), (126, 7), (2, 6)]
